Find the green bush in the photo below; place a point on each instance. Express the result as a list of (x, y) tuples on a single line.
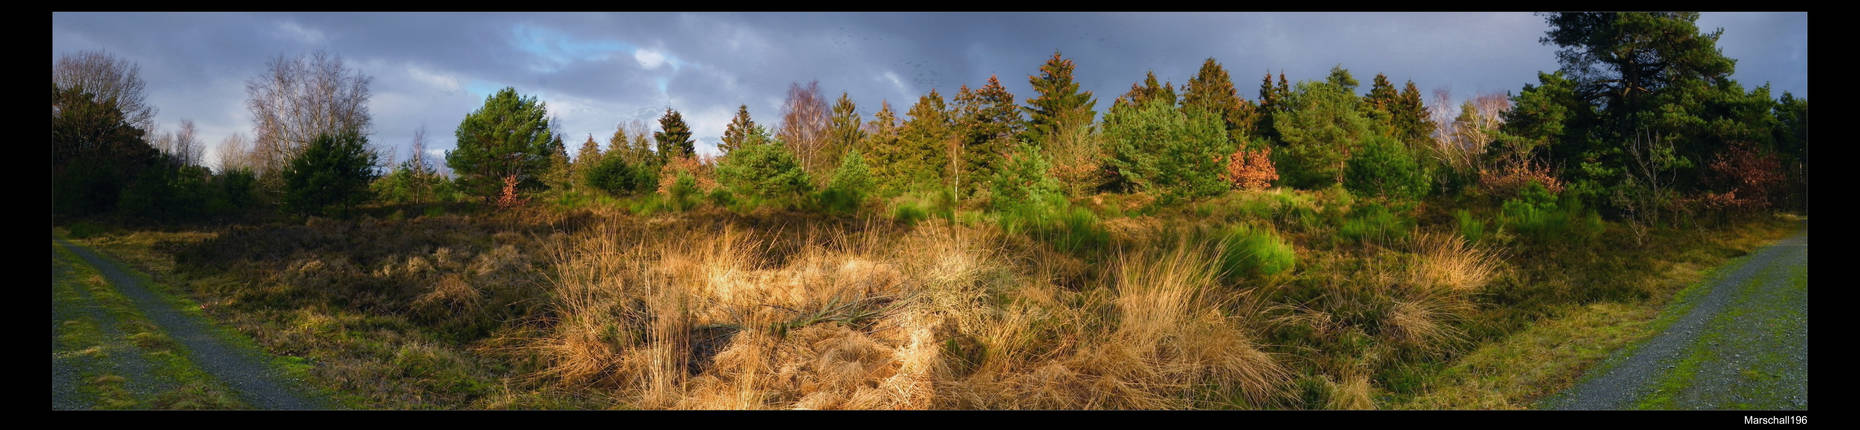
[(851, 183), (615, 176), (1254, 251), (1156, 147), (1374, 222), (684, 193), (764, 171), (909, 212), (330, 176), (1384, 167), (1472, 229), (1537, 216)]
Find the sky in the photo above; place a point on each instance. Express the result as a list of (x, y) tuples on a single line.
[(596, 70)]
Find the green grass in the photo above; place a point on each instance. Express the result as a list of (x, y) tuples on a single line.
[(1254, 251)]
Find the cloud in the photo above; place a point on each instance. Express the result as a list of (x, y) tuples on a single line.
[(293, 30), (648, 59)]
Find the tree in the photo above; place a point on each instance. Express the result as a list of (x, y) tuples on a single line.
[(1213, 90), (1142, 94), (1271, 102), (1058, 103), (805, 123), (636, 149), (330, 176), (298, 99), (844, 134), (107, 77), (1385, 167), (588, 155), (989, 124), (1174, 152), (186, 148), (556, 176), (886, 152), (739, 128), (1412, 124), (1318, 129), (236, 154), (674, 137), (925, 140), (1379, 104), (1340, 78), (507, 137), (96, 152), (766, 170)]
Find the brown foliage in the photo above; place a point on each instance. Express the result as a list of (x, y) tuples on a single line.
[(1750, 176), (1508, 179), (1251, 170)]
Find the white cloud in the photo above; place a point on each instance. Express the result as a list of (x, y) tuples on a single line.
[(897, 83), (292, 29), (438, 80), (648, 58)]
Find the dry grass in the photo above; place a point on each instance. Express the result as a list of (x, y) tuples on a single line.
[(1448, 261), (702, 317)]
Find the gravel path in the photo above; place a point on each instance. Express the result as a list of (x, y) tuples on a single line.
[(1742, 345), (245, 371), (117, 357)]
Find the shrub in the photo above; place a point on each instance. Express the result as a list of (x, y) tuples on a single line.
[(1373, 222), (1254, 251), (684, 192), (1472, 229), (764, 170), (615, 176), (1538, 216), (1155, 147), (332, 174), (1384, 167), (1023, 180), (851, 182), (909, 212), (1251, 170)]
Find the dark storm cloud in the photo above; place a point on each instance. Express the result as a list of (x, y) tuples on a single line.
[(596, 70)]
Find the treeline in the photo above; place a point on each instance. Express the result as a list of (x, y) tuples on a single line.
[(1642, 123)]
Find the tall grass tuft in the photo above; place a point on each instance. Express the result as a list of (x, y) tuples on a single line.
[(1253, 251)]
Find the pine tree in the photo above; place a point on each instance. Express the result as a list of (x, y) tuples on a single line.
[(508, 137), (844, 135), (1141, 94), (1412, 123), (989, 122), (675, 137), (589, 154), (925, 139), (739, 127), (1379, 105), (883, 149), (557, 175), (1213, 90), (1058, 97)]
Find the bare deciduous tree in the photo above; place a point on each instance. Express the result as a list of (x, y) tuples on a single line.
[(805, 123), (235, 154), (298, 98), (187, 149), (1466, 131), (108, 77)]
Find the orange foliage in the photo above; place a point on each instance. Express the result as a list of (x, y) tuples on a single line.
[(1251, 170), (1512, 177)]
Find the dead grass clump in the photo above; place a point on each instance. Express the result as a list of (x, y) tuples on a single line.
[(1448, 261)]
